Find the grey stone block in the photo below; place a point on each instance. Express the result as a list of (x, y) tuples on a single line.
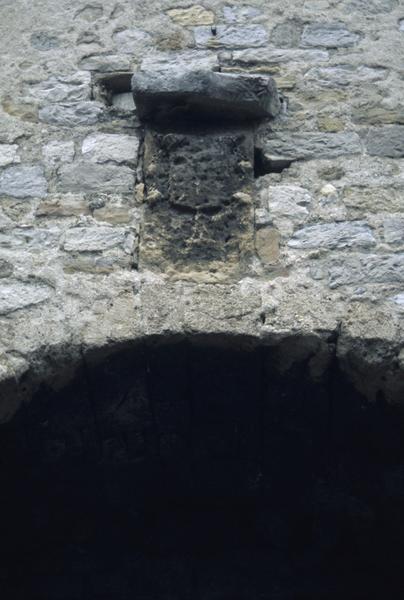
[(328, 35), (23, 182), (347, 234), (18, 294), (294, 145), (93, 177), (71, 115), (393, 229), (132, 41), (72, 88), (386, 141), (163, 96), (115, 147), (8, 154), (369, 268), (94, 239)]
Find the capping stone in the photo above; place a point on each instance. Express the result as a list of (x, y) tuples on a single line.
[(164, 96)]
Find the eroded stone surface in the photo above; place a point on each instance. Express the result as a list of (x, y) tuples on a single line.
[(198, 201)]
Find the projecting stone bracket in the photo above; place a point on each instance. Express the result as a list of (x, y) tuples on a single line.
[(198, 170), (204, 95)]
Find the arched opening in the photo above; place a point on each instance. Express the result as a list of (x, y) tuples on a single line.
[(202, 470)]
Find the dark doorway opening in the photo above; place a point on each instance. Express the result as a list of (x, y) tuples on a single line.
[(184, 471)]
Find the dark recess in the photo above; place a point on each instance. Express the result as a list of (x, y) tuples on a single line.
[(200, 472), (264, 165)]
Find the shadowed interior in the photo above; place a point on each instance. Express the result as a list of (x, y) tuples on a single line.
[(179, 471)]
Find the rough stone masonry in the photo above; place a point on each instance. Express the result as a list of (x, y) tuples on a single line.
[(325, 214)]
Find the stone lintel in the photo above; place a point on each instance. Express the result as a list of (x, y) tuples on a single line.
[(205, 95)]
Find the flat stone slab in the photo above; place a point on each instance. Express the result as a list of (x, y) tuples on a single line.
[(164, 96)]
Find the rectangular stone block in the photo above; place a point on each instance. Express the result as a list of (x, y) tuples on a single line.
[(26, 181), (346, 234), (386, 141), (328, 35), (92, 177), (364, 269), (198, 213), (110, 147), (295, 145), (71, 115), (95, 239)]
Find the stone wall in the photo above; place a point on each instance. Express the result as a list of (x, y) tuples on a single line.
[(328, 256)]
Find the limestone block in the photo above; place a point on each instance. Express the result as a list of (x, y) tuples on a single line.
[(328, 35), (18, 294), (162, 96), (386, 141), (132, 41), (71, 115), (295, 145), (194, 15), (8, 154), (55, 152), (267, 245), (104, 147), (228, 36), (289, 201), (347, 234), (92, 177), (72, 88), (393, 228), (287, 34), (23, 182), (32, 239), (369, 268), (94, 239)]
